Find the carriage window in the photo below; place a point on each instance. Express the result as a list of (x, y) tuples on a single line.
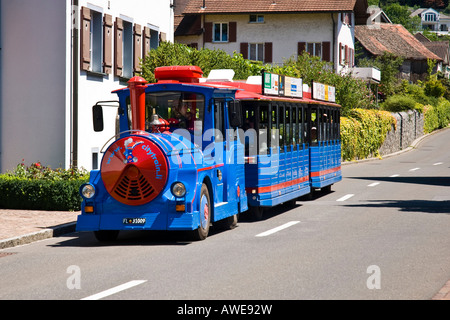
[(294, 126), (218, 120), (314, 126), (282, 127), (263, 134), (288, 135), (301, 125)]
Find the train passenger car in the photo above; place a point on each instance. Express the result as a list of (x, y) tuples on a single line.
[(191, 153)]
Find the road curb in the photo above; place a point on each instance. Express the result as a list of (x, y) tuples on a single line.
[(39, 235)]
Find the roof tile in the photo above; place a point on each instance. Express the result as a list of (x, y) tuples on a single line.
[(267, 6)]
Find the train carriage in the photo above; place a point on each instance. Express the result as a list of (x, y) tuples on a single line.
[(190, 153)]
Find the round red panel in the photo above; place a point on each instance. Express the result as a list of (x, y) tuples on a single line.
[(134, 170)]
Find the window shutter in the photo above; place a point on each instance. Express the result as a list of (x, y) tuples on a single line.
[(268, 47), (118, 48), (107, 43), (85, 39), (326, 56), (244, 50), (340, 53), (207, 36), (146, 42), (137, 47), (162, 37), (301, 48), (232, 31), (346, 55)]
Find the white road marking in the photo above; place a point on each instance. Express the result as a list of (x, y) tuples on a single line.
[(272, 231), (114, 290), (415, 169), (438, 163), (346, 197), (394, 176), (373, 184)]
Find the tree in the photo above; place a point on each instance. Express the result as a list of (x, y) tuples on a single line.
[(401, 15)]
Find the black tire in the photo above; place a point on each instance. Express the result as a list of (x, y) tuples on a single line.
[(205, 210), (256, 213), (228, 223), (106, 235)]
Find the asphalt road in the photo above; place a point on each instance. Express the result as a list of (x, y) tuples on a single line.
[(382, 233)]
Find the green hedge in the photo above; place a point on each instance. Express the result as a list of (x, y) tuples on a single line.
[(363, 132), (28, 194), (37, 187), (436, 117)]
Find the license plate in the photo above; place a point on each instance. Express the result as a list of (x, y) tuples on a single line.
[(134, 221)]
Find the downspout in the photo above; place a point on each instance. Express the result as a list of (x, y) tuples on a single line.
[(333, 42), (203, 19), (74, 88)]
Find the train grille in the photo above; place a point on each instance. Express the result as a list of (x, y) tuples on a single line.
[(133, 186)]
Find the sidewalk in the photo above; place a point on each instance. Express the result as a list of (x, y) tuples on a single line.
[(19, 227)]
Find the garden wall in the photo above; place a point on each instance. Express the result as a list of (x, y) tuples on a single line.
[(410, 126)]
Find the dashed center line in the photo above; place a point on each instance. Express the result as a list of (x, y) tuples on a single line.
[(394, 176), (346, 197), (114, 290), (438, 163), (414, 169), (373, 184), (272, 231)]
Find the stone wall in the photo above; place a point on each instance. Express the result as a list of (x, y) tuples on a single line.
[(409, 128)]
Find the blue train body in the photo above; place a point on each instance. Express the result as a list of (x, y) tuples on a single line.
[(233, 150)]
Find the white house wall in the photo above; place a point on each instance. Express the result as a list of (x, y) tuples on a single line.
[(36, 79), (283, 30), (32, 72), (94, 88)]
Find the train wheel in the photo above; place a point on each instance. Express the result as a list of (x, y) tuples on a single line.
[(106, 235), (256, 213), (227, 223), (205, 215)]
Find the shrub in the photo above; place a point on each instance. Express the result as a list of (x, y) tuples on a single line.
[(363, 132), (434, 88), (40, 188), (399, 103)]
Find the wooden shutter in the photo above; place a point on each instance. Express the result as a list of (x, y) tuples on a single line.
[(244, 49), (268, 48), (300, 48), (207, 36), (146, 42), (118, 48), (162, 37), (137, 48), (326, 56), (85, 62), (107, 43), (346, 56), (340, 53), (232, 27)]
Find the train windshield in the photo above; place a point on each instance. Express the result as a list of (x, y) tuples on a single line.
[(179, 109)]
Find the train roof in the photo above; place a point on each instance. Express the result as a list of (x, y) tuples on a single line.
[(192, 75)]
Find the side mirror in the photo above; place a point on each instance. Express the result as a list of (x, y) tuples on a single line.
[(97, 117)]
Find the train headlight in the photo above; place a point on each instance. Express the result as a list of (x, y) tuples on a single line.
[(178, 189), (87, 191)]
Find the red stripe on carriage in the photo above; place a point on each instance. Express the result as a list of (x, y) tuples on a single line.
[(324, 172)]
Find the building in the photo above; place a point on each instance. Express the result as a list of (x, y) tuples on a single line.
[(432, 20), (271, 31), (440, 48), (394, 38), (57, 59)]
